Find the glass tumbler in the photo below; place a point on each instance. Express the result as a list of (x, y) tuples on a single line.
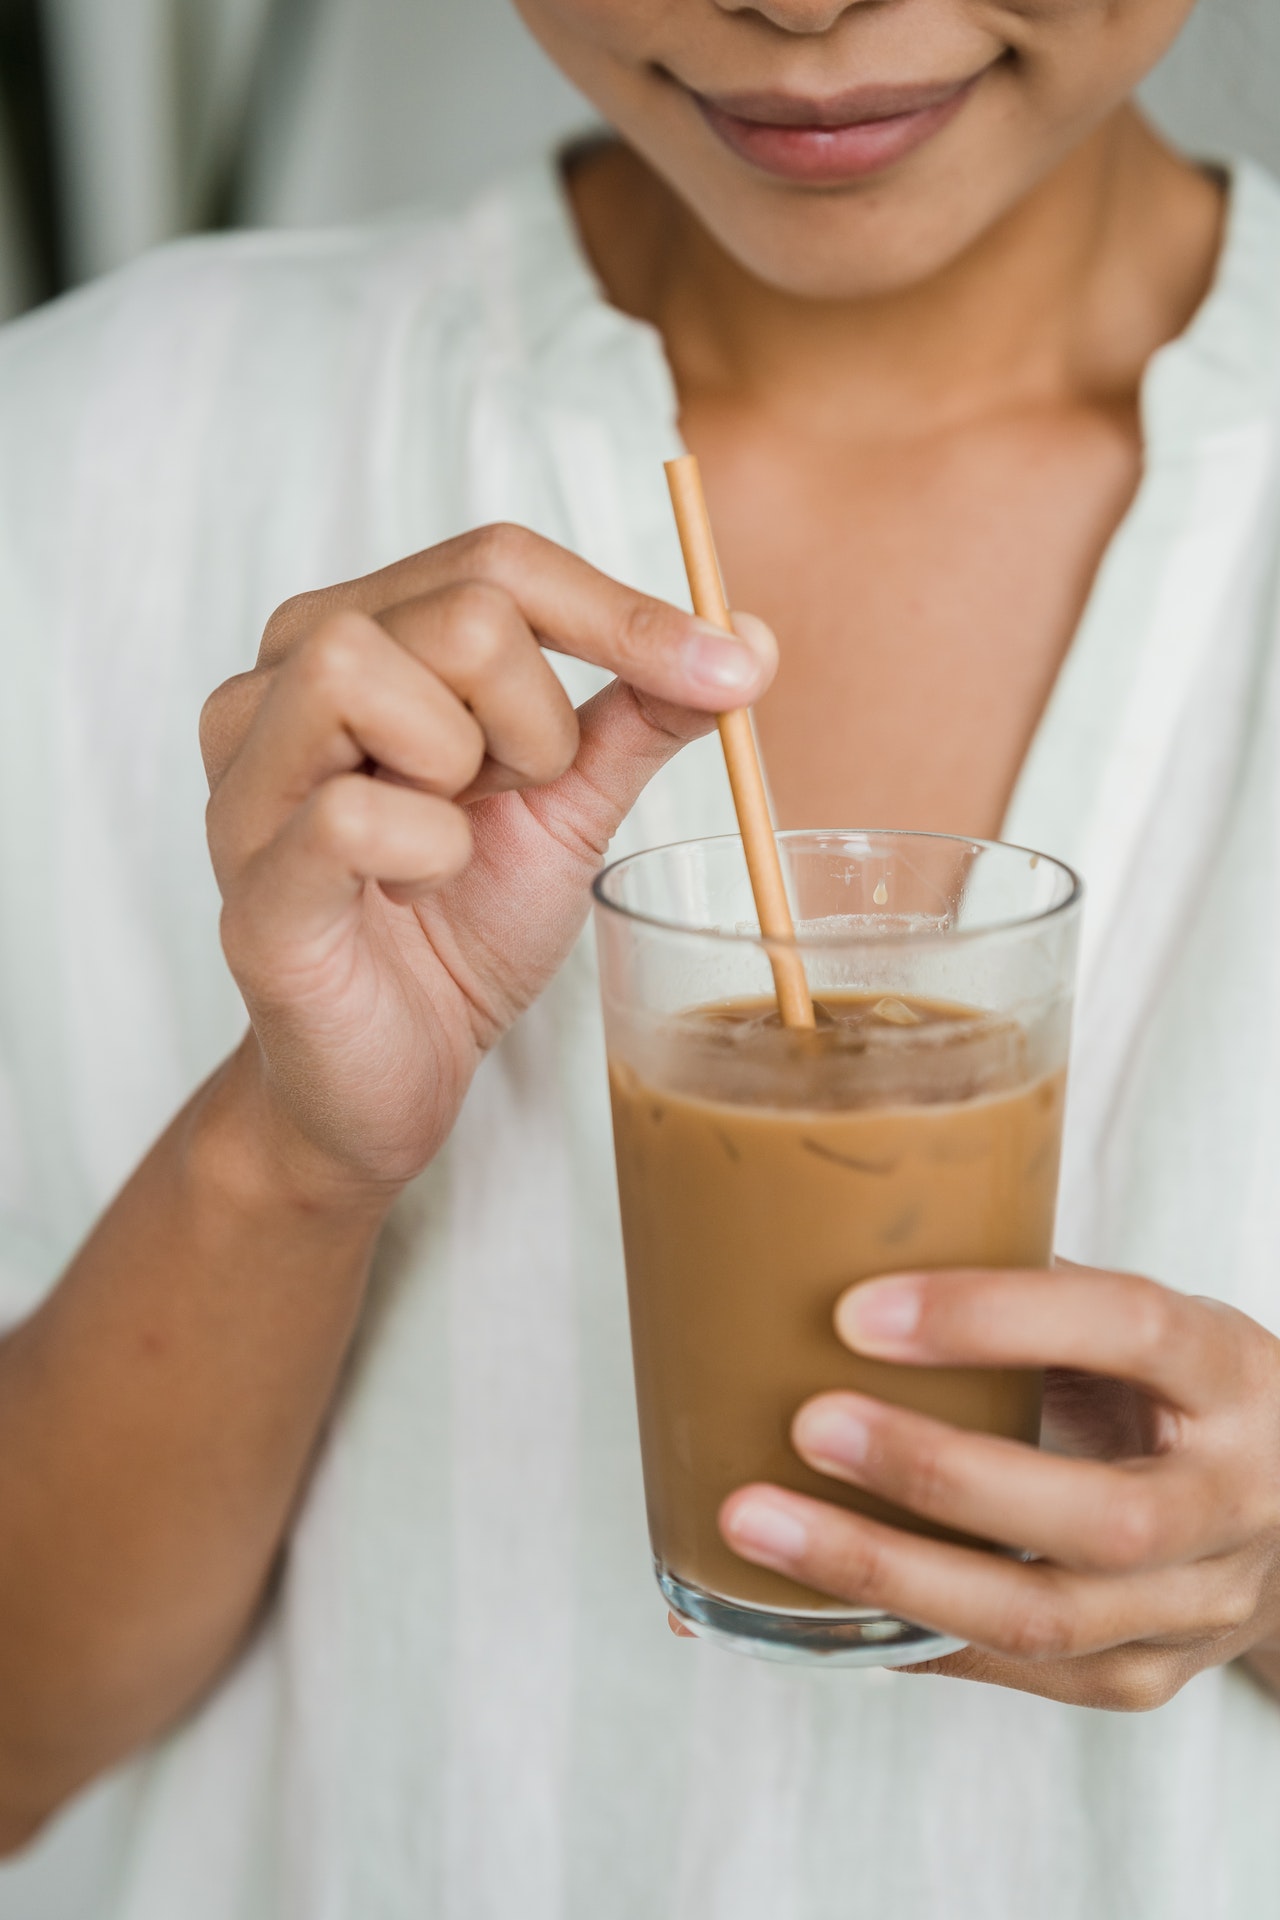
[(762, 1171)]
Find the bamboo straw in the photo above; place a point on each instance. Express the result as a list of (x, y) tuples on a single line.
[(742, 757)]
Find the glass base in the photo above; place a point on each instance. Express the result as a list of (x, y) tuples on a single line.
[(863, 1637)]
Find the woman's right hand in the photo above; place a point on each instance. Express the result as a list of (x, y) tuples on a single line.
[(407, 815)]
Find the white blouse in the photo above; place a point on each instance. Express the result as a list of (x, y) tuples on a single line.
[(465, 1704)]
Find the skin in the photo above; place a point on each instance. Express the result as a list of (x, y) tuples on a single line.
[(899, 389)]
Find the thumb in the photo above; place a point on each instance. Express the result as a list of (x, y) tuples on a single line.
[(625, 738)]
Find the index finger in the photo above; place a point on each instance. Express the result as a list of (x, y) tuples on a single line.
[(571, 607), (1181, 1349)]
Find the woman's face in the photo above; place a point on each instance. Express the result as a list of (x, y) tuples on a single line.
[(840, 148)]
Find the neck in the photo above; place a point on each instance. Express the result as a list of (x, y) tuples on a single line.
[(1065, 299)]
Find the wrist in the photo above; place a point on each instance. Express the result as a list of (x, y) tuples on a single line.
[(250, 1152)]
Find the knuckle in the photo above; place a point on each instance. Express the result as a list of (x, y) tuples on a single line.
[(227, 717), (1153, 1320), (927, 1483), (866, 1571), (213, 728), (1037, 1628), (285, 620), (216, 828), (499, 550), (1136, 1680), (642, 633), (1241, 1595), (229, 932), (235, 929), (291, 619), (1235, 1610), (329, 662), (1235, 1509), (482, 620), (1130, 1528), (855, 1564)]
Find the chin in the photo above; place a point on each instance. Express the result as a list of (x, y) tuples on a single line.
[(878, 235), (847, 246)]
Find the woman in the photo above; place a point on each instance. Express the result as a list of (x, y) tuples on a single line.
[(318, 1482)]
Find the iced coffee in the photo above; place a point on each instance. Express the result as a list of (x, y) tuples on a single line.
[(763, 1170)]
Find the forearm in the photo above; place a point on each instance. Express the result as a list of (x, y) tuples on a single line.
[(156, 1421)]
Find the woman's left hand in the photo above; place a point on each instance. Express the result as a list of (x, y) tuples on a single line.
[(1155, 1558)]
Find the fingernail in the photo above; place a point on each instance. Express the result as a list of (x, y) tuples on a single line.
[(879, 1316), (718, 663), (833, 1432), (761, 1531)]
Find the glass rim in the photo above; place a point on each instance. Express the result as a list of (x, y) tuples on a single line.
[(884, 937)]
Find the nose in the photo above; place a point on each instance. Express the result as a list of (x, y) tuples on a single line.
[(795, 16)]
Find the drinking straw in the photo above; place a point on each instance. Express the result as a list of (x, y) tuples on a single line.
[(742, 757)]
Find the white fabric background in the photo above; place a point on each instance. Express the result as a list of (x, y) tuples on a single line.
[(346, 107)]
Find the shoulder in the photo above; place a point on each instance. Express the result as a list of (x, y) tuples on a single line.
[(294, 306), (217, 381)]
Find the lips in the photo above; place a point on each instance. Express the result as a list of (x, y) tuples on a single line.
[(828, 142)]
